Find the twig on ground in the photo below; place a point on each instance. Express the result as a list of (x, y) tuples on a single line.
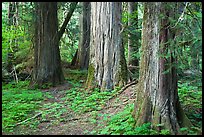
[(29, 119)]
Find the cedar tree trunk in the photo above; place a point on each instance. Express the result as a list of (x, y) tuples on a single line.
[(107, 65), (156, 93), (47, 67)]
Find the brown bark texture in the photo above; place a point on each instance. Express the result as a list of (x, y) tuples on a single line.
[(47, 67), (157, 95), (83, 52)]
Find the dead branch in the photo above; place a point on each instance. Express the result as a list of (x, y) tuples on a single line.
[(130, 66), (29, 119), (73, 119), (25, 120)]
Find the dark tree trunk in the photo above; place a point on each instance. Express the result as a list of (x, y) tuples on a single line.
[(47, 67), (157, 95), (83, 52)]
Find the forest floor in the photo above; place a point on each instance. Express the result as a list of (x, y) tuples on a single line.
[(70, 109), (73, 123)]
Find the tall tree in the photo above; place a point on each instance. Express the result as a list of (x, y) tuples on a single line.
[(47, 67), (83, 52), (157, 95), (133, 40), (107, 65)]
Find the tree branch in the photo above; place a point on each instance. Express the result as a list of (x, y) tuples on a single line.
[(69, 14)]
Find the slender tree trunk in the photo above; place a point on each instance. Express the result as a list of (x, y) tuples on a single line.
[(85, 39), (66, 21), (47, 68), (83, 52), (157, 96), (107, 65), (133, 42)]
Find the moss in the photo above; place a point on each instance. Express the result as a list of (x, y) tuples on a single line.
[(90, 76), (156, 119), (144, 112), (123, 77)]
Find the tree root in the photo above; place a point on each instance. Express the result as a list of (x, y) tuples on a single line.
[(124, 88), (119, 92)]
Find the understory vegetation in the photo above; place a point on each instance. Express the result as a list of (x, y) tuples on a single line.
[(20, 105), (82, 55)]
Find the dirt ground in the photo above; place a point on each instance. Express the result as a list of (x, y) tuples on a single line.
[(76, 124)]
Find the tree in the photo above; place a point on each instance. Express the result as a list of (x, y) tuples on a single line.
[(47, 67), (13, 23), (69, 15), (157, 96), (83, 52), (107, 66), (133, 40)]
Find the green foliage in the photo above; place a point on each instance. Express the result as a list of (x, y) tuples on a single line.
[(75, 77), (46, 85), (12, 85), (87, 101), (16, 39), (53, 112), (190, 96), (124, 124), (191, 131), (69, 40), (188, 41), (18, 103)]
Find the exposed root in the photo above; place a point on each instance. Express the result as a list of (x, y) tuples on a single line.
[(124, 88)]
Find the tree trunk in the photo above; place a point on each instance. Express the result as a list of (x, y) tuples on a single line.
[(107, 65), (83, 53), (66, 21), (133, 41), (157, 96), (47, 68)]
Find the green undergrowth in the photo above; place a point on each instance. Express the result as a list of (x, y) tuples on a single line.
[(18, 103), (75, 77), (190, 96), (123, 123), (54, 113), (81, 100)]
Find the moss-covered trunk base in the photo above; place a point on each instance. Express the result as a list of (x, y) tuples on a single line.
[(145, 112)]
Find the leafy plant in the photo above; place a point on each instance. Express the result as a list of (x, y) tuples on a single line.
[(87, 101), (191, 99), (17, 104)]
